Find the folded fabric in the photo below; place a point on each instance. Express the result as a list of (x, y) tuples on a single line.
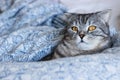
[(22, 34)]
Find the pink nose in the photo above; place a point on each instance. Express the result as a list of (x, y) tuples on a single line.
[(82, 35)]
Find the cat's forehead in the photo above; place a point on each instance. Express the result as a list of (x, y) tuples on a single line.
[(81, 19), (84, 19)]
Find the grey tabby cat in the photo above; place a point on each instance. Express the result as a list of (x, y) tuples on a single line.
[(84, 33)]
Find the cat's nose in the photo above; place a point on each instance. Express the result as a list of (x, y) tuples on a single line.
[(82, 35)]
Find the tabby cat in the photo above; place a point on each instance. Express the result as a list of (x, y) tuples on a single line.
[(84, 33)]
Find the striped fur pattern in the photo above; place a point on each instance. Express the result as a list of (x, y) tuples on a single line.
[(92, 42)]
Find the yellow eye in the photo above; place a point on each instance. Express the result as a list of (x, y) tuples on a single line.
[(74, 28), (91, 28)]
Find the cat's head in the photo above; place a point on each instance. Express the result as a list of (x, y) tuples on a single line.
[(88, 31)]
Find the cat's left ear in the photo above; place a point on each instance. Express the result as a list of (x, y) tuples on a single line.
[(105, 14)]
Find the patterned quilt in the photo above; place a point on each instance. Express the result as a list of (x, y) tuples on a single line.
[(25, 31)]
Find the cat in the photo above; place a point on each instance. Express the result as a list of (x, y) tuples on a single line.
[(84, 33)]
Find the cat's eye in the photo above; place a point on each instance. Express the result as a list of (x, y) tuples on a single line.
[(91, 28), (74, 28)]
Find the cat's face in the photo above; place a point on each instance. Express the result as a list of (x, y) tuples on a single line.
[(88, 31)]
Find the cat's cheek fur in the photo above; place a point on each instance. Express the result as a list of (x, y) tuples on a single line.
[(78, 39)]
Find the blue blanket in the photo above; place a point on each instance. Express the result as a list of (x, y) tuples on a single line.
[(23, 34)]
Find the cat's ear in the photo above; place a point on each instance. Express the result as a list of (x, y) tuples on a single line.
[(105, 14), (65, 16), (61, 20)]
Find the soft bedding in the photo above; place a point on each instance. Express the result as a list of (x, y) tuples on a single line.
[(26, 35), (104, 66), (23, 34)]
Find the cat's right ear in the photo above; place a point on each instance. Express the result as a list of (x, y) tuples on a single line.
[(61, 20), (67, 15), (105, 14)]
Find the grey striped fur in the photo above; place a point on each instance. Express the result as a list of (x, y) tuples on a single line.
[(93, 41)]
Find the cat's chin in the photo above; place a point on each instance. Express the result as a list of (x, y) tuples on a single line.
[(86, 46)]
